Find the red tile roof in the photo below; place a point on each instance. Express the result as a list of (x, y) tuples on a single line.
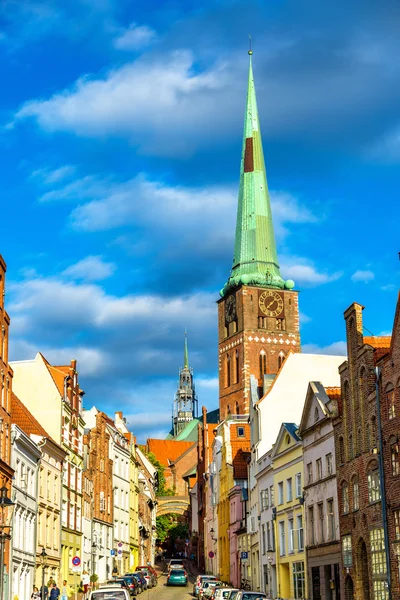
[(21, 416), (333, 392), (167, 451), (378, 341)]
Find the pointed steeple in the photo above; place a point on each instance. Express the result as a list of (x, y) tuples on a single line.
[(185, 353), (255, 259)]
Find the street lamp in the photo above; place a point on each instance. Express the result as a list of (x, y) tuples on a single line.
[(43, 557), (6, 512)]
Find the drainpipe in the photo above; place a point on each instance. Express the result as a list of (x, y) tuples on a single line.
[(382, 481)]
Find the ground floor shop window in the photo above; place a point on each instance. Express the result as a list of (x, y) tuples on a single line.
[(299, 585), (316, 583)]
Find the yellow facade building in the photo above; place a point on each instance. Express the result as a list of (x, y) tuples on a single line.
[(287, 457)]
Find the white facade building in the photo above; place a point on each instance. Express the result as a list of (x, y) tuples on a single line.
[(265, 487), (25, 456), (120, 454)]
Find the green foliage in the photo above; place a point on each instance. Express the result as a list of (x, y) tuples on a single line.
[(168, 526), (161, 489)]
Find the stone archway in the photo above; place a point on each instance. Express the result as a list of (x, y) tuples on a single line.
[(178, 505), (348, 589), (363, 570)]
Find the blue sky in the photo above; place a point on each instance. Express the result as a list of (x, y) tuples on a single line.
[(120, 143)]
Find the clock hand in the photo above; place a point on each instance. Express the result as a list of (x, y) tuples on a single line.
[(272, 301)]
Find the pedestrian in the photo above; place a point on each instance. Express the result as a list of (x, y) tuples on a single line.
[(35, 594), (44, 592), (66, 591), (54, 592), (85, 582)]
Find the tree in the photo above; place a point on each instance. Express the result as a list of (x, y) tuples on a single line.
[(161, 489)]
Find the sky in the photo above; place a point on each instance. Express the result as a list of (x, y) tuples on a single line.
[(121, 132)]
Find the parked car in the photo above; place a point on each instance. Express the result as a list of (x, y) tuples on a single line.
[(177, 577), (149, 574), (140, 579), (110, 592), (244, 595), (122, 583), (132, 584), (223, 593), (199, 581), (176, 563), (208, 587)]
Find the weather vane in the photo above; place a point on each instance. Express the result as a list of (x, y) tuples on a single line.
[(250, 50)]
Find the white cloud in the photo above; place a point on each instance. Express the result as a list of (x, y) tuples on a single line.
[(303, 271), (335, 349), (135, 37), (91, 268), (51, 176), (124, 103), (363, 276), (304, 318)]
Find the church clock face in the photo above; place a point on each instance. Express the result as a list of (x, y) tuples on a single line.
[(230, 309), (271, 303)]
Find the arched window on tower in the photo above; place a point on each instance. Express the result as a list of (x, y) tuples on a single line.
[(237, 408), (281, 359), (263, 363), (237, 365), (228, 370)]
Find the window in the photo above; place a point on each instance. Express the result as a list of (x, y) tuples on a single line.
[(321, 523), (311, 531), (299, 584), (329, 466), (309, 473), (263, 538), (378, 555), (269, 545), (374, 487), (228, 370), (282, 549), (394, 448), (331, 520), (263, 363), (280, 492), (391, 404), (347, 551), (345, 498), (300, 533), (102, 465), (298, 485), (271, 495), (64, 513), (237, 368), (102, 502), (351, 447), (264, 499), (380, 590), (341, 451), (281, 359), (396, 515), (289, 490), (356, 494), (280, 324), (319, 468), (291, 536), (240, 431)]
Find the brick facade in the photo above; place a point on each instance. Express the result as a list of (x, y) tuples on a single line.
[(389, 391), (356, 445), (6, 375), (251, 343)]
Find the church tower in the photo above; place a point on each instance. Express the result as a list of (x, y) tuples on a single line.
[(258, 313), (185, 403)]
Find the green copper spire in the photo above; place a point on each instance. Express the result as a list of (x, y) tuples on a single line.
[(185, 353), (255, 260)]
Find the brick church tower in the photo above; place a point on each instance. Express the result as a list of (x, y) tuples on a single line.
[(258, 313)]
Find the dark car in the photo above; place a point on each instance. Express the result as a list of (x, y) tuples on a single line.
[(149, 574), (132, 584), (121, 581), (140, 578)]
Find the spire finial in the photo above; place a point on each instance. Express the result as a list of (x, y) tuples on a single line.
[(185, 353), (250, 50)]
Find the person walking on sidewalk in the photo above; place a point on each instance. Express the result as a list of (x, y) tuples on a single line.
[(66, 591), (54, 592)]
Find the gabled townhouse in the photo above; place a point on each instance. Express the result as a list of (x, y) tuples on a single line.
[(25, 460), (6, 376), (147, 508), (53, 395), (265, 487), (287, 457), (320, 491), (98, 492), (46, 489), (364, 566)]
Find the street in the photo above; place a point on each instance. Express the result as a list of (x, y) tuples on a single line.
[(164, 592)]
